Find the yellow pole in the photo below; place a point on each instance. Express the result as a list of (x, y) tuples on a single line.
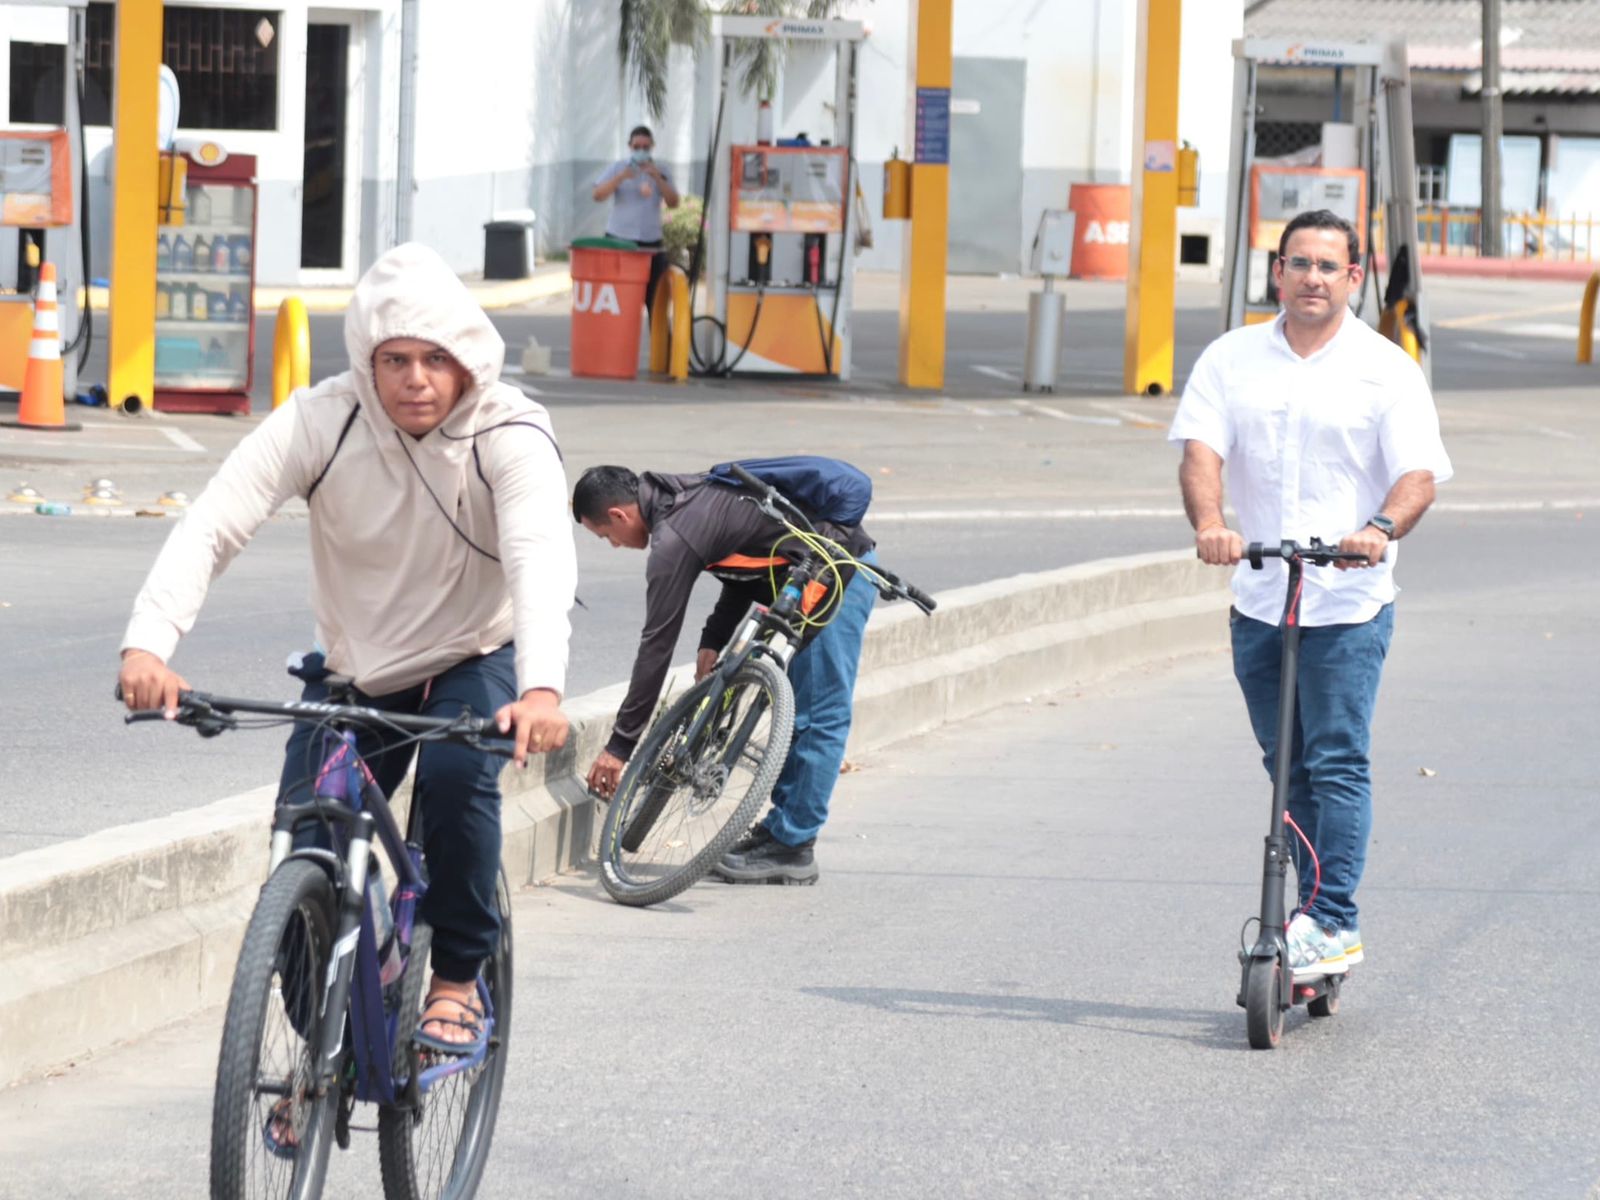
[(1586, 320), (291, 350), (1153, 242), (135, 163), (927, 237)]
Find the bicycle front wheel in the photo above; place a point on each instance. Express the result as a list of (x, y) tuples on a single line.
[(686, 796), (436, 1148), (270, 1132)]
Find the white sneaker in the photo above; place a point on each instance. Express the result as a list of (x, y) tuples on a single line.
[(1351, 940), (1313, 950)]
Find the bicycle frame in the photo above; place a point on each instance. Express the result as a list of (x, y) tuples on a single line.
[(349, 801)]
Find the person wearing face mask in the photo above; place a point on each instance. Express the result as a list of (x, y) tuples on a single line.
[(638, 188)]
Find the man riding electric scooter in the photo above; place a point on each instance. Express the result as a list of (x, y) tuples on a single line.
[(1327, 429)]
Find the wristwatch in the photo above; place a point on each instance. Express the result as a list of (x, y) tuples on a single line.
[(1383, 524)]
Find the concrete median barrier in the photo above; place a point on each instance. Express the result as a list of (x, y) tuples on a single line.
[(113, 935)]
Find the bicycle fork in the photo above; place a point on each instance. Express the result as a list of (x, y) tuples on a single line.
[(342, 960)]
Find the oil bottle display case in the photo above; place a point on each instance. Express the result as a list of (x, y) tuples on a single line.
[(205, 290)]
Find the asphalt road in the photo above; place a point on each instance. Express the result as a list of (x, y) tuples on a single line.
[(1016, 976), (974, 484)]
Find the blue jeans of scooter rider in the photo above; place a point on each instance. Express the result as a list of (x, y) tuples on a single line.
[(1330, 777), (824, 680)]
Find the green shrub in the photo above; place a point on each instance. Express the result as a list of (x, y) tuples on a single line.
[(681, 228)]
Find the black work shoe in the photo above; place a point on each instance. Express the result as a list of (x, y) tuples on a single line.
[(756, 835), (770, 862)]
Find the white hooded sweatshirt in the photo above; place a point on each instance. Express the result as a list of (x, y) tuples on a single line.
[(403, 584)]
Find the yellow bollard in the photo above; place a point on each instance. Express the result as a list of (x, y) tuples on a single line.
[(1586, 320), (291, 350), (671, 348)]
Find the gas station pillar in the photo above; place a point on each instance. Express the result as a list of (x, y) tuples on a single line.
[(926, 247), (135, 165), (1152, 249)]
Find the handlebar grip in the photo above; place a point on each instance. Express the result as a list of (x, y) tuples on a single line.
[(746, 478), (921, 598)]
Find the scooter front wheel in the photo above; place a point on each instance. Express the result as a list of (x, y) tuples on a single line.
[(1263, 1003)]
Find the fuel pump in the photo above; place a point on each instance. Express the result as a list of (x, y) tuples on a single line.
[(1368, 169), (778, 251), (41, 199)]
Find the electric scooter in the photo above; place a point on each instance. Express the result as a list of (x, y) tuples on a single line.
[(1267, 986)]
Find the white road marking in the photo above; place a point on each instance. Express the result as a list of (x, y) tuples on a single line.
[(91, 444), (1147, 512), (1132, 417), (181, 440), (1555, 433), (979, 410), (996, 373), (1044, 410), (528, 389), (1496, 351), (1542, 329)]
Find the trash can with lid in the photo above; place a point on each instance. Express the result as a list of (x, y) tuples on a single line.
[(508, 245), (609, 277)]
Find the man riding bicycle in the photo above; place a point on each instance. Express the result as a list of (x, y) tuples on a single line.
[(690, 524), (442, 573)]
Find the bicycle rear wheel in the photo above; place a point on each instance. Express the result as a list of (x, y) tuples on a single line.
[(680, 806), (265, 1079), (437, 1149)]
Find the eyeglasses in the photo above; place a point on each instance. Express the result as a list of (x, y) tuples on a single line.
[(1299, 264)]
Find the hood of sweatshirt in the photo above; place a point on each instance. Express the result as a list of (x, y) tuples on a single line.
[(411, 293)]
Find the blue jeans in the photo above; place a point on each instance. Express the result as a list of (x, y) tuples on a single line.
[(457, 791), (823, 675), (1330, 777)]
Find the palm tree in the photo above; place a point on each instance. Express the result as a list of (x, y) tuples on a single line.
[(649, 28)]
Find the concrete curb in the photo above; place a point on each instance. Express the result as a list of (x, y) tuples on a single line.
[(113, 935)]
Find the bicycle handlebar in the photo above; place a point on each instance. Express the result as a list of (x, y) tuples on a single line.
[(211, 715), (771, 500), (1317, 553)]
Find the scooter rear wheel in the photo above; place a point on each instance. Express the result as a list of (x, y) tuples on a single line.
[(1263, 1006), (1327, 1004)]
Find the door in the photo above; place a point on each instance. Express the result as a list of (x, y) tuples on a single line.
[(986, 99), (323, 190)]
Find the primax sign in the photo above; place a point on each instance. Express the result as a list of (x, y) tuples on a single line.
[(1332, 54)]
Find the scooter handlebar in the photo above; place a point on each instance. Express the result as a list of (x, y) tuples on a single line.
[(1317, 553)]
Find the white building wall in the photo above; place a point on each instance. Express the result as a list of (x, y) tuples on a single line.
[(519, 106)]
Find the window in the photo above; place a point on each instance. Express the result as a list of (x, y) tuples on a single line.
[(226, 61), (37, 80)]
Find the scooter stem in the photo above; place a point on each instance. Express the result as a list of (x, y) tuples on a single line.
[(1276, 866)]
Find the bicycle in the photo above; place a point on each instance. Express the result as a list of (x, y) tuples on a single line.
[(709, 761), (329, 983)]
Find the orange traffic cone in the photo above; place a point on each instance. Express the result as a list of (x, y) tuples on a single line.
[(42, 406)]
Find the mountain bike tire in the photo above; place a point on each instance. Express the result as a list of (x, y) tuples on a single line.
[(275, 998), (439, 1152), (651, 799)]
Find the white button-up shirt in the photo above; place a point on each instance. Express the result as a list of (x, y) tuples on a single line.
[(1312, 447)]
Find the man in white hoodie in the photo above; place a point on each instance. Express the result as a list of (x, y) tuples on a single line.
[(442, 573)]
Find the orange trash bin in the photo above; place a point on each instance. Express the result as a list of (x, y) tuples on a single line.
[(1100, 234), (608, 287)]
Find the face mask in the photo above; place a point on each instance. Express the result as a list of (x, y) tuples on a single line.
[(640, 157)]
